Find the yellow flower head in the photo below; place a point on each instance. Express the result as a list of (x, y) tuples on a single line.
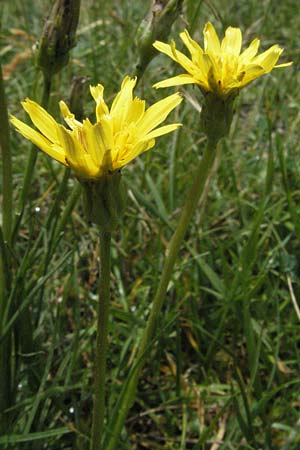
[(119, 135), (220, 67)]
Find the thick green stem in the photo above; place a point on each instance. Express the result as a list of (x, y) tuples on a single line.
[(199, 189), (101, 343), (201, 176)]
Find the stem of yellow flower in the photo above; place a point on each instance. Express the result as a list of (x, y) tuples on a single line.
[(199, 189), (101, 343)]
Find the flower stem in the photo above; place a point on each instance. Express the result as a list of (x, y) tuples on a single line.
[(101, 343), (198, 190), (198, 187)]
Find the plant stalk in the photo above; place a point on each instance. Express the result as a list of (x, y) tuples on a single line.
[(101, 343), (198, 190)]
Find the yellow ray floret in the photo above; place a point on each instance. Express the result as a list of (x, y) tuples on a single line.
[(219, 67), (119, 135)]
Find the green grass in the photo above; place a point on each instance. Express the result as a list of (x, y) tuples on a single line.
[(224, 364)]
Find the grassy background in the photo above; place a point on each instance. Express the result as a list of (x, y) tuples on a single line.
[(223, 370)]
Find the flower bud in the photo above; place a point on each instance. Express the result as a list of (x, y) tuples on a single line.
[(58, 36), (104, 200), (155, 26)]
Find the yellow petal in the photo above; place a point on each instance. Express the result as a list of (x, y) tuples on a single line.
[(214, 74), (283, 65), (80, 161), (192, 46), (164, 48), (70, 145), (136, 151), (122, 102), (157, 113), (252, 72), (97, 94), (53, 150), (41, 119), (211, 40), (68, 116), (179, 80), (136, 110), (176, 55), (95, 143), (161, 131), (232, 42), (269, 58), (105, 133), (200, 70), (247, 55)]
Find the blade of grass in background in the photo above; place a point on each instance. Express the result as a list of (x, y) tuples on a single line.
[(6, 371)]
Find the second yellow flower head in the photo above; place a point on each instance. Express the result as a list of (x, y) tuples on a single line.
[(119, 135), (219, 67)]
